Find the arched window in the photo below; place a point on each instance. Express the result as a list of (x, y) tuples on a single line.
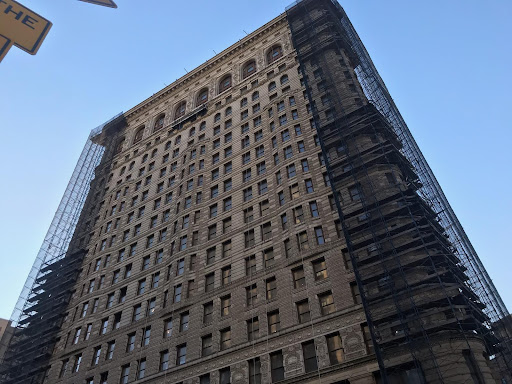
[(202, 126), (138, 135), (192, 132), (180, 109), (284, 79), (153, 154), (159, 123), (225, 83), (228, 111), (249, 69), (119, 148), (243, 102), (217, 117), (271, 86), (255, 96), (274, 53), (177, 140), (202, 97)]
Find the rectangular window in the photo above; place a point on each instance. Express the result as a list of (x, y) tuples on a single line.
[(181, 354), (320, 269), (209, 282), (326, 303), (146, 335), (268, 257), (184, 317), (251, 294), (290, 169), (253, 329), (96, 356), (276, 366), (281, 198), (191, 288), (168, 327), (248, 215), (164, 360), (177, 293), (287, 247), (264, 207), (249, 238), (255, 371), (309, 353), (271, 286), (210, 255), (250, 265), (313, 209), (225, 376), (260, 151), (141, 287), (355, 193), (274, 321), (225, 339), (288, 152), (335, 348), (226, 249), (180, 267), (227, 204), (227, 185), (208, 313), (298, 214), (137, 312), (303, 311), (319, 236), (260, 168), (247, 194), (225, 305), (246, 175), (309, 185), (125, 374), (131, 342), (262, 187), (206, 345), (299, 279), (212, 231), (302, 241), (226, 275)]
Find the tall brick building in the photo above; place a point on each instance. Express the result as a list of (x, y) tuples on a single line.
[(265, 218)]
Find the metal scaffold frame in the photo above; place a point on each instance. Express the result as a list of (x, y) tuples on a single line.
[(54, 248), (377, 93), (311, 34)]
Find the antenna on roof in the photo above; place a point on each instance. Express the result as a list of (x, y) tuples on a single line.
[(185, 70), (244, 31), (214, 51)]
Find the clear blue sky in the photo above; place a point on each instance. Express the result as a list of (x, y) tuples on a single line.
[(446, 64)]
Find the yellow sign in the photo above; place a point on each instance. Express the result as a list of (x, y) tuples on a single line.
[(106, 3), (23, 27)]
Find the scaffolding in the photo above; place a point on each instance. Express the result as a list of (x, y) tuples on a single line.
[(41, 306), (421, 282)]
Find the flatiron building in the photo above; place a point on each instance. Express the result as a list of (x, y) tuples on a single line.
[(266, 218)]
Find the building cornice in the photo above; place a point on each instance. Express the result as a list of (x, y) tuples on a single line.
[(192, 75)]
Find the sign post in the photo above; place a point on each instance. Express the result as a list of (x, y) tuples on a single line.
[(105, 3), (5, 45), (21, 27)]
